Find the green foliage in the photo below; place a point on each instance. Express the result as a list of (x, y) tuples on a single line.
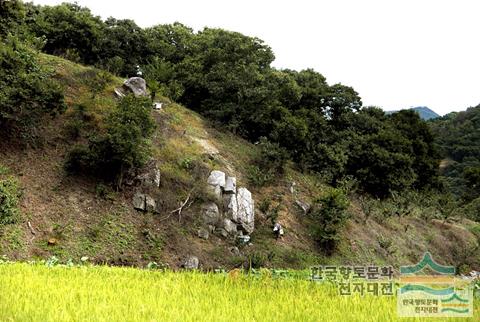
[(256, 260), (124, 145), (228, 77), (472, 210), (9, 199), (329, 214), (28, 93), (12, 15), (458, 138), (159, 76), (69, 30), (268, 164), (99, 82)]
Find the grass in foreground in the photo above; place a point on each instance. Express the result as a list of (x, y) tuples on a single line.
[(39, 293)]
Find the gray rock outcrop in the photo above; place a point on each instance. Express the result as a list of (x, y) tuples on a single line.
[(216, 182), (246, 210), (211, 214), (230, 185), (236, 214)]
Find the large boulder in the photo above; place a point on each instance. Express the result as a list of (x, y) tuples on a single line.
[(246, 211), (210, 213), (135, 85)]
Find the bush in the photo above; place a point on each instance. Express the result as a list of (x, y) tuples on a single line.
[(124, 145), (269, 163), (329, 215), (9, 198), (472, 210), (28, 92)]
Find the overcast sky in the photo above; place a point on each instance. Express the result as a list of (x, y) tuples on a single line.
[(396, 54)]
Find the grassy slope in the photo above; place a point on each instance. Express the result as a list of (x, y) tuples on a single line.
[(39, 293), (108, 230)]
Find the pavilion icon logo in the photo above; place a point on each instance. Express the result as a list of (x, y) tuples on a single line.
[(429, 289)]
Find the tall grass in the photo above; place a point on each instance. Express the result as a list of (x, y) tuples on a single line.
[(39, 293)]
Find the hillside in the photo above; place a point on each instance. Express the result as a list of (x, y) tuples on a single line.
[(424, 112), (458, 139), (72, 216)]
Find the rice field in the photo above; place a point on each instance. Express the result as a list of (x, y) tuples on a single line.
[(34, 292)]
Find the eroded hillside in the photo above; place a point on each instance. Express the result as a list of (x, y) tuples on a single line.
[(73, 216)]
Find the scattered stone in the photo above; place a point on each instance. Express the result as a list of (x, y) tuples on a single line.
[(210, 213), (246, 211), (230, 185), (191, 262), (303, 205), (211, 228), (150, 204), (135, 85), (203, 233), (52, 241), (157, 106), (139, 201)]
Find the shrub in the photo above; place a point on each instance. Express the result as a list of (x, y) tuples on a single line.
[(124, 145), (256, 260), (99, 82), (9, 198), (472, 210), (269, 162), (28, 93), (329, 215)]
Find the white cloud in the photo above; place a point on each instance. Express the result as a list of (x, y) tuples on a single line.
[(396, 54)]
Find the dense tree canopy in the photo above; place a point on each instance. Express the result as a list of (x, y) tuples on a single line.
[(458, 138), (27, 93)]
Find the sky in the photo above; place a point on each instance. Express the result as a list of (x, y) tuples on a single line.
[(395, 53)]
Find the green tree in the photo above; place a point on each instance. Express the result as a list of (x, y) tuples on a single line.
[(124, 146), (329, 214), (12, 15), (28, 92)]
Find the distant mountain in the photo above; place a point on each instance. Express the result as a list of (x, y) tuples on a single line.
[(424, 112)]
